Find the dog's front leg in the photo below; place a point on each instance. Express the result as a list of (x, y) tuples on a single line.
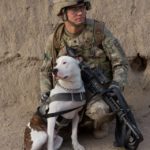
[(74, 135), (51, 131)]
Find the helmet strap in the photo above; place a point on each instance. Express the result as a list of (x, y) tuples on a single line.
[(65, 17), (64, 14), (73, 24)]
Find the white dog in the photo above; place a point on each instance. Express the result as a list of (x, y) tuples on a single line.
[(67, 95)]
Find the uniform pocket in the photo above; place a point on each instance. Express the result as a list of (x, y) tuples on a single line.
[(99, 53)]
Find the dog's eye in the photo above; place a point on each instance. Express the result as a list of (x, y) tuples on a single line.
[(64, 62)]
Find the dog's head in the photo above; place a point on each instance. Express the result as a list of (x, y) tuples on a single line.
[(66, 68)]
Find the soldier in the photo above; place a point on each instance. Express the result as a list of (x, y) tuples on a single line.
[(97, 47)]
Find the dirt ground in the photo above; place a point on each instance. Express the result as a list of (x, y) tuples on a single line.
[(24, 28)]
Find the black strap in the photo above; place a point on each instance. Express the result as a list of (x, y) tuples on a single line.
[(60, 112), (68, 97)]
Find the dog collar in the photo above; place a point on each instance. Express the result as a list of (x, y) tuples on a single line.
[(70, 90)]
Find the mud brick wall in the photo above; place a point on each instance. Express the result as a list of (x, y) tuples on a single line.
[(24, 28)]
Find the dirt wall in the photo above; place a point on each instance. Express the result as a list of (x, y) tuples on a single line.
[(24, 28)]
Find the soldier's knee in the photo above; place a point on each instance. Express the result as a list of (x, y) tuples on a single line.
[(97, 110)]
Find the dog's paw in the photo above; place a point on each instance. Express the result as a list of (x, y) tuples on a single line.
[(78, 147)]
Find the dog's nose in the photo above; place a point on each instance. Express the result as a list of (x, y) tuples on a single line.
[(55, 70)]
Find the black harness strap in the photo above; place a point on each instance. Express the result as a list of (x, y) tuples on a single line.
[(60, 113), (68, 97)]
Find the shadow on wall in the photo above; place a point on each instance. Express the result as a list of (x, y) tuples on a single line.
[(138, 63)]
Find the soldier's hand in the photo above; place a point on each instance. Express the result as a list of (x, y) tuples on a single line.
[(114, 85), (44, 97)]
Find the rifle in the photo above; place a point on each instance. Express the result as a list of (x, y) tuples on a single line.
[(127, 133)]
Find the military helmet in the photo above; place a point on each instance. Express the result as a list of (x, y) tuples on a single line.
[(59, 5)]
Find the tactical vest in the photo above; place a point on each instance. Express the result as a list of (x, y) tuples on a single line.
[(87, 45)]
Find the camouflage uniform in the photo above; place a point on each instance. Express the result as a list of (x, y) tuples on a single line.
[(98, 48)]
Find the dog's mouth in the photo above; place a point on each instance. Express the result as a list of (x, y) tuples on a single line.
[(65, 77), (57, 77), (62, 78)]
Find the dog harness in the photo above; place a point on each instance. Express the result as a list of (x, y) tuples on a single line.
[(71, 95), (61, 121), (68, 97)]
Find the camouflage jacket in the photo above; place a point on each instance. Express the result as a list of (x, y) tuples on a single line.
[(95, 44)]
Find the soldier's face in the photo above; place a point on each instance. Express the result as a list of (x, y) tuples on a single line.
[(77, 14)]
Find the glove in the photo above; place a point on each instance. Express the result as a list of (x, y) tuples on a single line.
[(44, 97), (113, 85)]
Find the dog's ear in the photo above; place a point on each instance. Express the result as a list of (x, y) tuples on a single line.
[(79, 60)]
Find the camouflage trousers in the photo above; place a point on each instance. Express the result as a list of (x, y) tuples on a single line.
[(98, 111)]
